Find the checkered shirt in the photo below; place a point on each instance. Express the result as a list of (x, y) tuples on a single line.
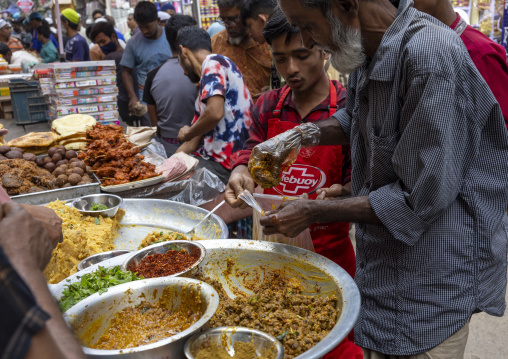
[(430, 149), (21, 317)]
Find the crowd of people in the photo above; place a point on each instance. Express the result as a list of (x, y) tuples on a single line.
[(413, 149)]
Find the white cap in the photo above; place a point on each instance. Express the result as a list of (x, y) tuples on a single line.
[(4, 23), (101, 19), (89, 21), (49, 20), (163, 16)]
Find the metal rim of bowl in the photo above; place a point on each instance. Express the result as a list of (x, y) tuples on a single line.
[(97, 195), (125, 264), (278, 345), (212, 307), (81, 264)]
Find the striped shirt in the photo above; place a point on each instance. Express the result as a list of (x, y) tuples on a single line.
[(430, 149), (21, 317)]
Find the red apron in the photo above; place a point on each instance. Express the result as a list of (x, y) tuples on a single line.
[(318, 167)]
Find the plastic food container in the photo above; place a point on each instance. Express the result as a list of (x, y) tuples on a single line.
[(16, 69), (268, 203)]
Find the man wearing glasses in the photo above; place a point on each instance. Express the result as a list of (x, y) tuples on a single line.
[(254, 60)]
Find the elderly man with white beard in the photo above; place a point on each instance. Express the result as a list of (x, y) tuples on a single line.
[(253, 59), (429, 187)]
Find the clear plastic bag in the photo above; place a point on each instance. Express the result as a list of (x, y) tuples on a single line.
[(270, 158), (268, 203)]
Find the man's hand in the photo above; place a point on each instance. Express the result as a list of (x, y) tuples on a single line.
[(334, 191), (132, 105), (23, 238), (270, 158), (239, 181), (290, 219), (49, 220), (183, 134)]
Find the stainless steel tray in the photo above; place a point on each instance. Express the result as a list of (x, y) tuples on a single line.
[(252, 259), (62, 194)]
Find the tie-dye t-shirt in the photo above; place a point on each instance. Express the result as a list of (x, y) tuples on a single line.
[(220, 76)]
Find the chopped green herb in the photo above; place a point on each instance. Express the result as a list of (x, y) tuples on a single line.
[(179, 236), (98, 207), (71, 226), (282, 336), (145, 309), (62, 210), (96, 282), (161, 233), (97, 221), (299, 317)]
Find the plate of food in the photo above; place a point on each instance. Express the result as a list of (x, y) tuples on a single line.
[(116, 161)]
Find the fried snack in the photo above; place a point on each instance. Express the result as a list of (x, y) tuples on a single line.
[(272, 157), (114, 159), (35, 142), (18, 176)]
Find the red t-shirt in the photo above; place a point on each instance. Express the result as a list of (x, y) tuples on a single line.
[(490, 60)]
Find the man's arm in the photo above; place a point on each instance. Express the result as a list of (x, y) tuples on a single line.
[(129, 87), (209, 119), (430, 166), (152, 112), (29, 246), (190, 146)]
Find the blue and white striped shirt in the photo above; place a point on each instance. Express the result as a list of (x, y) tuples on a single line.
[(430, 149)]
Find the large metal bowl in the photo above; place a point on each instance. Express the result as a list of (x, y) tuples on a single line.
[(99, 310), (194, 249), (84, 205), (236, 264), (100, 257), (228, 336)]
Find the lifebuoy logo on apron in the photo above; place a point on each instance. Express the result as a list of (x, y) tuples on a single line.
[(300, 179)]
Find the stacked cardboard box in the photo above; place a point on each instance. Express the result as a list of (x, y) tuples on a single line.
[(87, 88)]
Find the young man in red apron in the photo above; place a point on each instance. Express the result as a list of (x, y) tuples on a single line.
[(308, 97)]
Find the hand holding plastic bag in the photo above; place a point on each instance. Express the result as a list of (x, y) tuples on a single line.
[(270, 158)]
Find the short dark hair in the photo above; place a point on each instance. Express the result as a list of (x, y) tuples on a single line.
[(97, 11), (252, 8), (44, 31), (194, 39), (71, 24), (230, 3), (145, 12), (278, 25), (4, 49), (101, 27), (173, 25)]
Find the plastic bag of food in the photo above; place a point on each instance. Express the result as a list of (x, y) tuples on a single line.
[(272, 157), (269, 203)]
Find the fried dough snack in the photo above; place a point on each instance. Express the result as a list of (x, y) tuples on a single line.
[(272, 157)]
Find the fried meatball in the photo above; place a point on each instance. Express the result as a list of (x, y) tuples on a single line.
[(29, 157), (12, 154), (70, 154), (4, 149), (74, 179)]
